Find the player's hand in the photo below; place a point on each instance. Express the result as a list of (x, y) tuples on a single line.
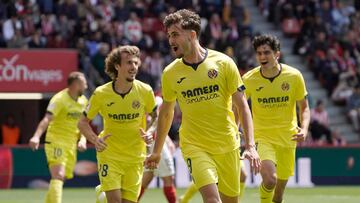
[(34, 143), (300, 136), (82, 145), (100, 144), (152, 161), (146, 136), (254, 159)]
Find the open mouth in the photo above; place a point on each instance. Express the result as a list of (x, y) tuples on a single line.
[(264, 63), (175, 49)]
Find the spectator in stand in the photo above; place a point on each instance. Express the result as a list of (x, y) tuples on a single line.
[(353, 108), (10, 131), (319, 124)]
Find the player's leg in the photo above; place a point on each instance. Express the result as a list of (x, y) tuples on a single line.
[(285, 168), (243, 176), (56, 158), (228, 167), (54, 194), (113, 196), (203, 171), (110, 174), (279, 190), (268, 174), (189, 193), (166, 171), (146, 179), (131, 184), (268, 171), (169, 188)]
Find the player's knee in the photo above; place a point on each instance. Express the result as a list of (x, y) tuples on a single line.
[(212, 199), (269, 180), (59, 175)]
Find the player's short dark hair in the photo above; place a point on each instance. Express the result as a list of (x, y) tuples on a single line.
[(267, 39), (188, 20), (73, 76), (114, 58)]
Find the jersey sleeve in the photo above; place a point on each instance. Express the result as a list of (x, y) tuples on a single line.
[(55, 106), (167, 91), (233, 78), (150, 102), (246, 84), (93, 106), (301, 91)]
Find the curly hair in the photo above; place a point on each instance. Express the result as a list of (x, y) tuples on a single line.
[(188, 20), (270, 40), (114, 58)]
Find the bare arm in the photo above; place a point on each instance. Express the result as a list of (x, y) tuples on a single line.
[(244, 114), (166, 116), (151, 128), (86, 130), (42, 126), (90, 135), (304, 114)]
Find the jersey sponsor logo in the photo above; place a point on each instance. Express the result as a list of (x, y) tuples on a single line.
[(181, 79), (285, 86), (201, 94), (73, 115), (274, 102), (110, 104), (123, 116), (259, 88), (212, 73), (271, 100), (135, 104)]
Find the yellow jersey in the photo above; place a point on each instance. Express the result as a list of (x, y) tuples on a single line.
[(66, 113), (204, 93), (123, 116), (273, 104)]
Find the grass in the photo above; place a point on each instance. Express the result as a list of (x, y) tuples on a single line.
[(349, 194)]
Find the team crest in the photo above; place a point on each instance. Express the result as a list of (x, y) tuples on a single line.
[(136, 104), (285, 86), (212, 73)]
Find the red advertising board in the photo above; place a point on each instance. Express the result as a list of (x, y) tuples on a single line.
[(35, 70)]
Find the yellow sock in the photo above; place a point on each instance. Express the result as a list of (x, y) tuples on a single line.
[(189, 193), (266, 195), (54, 194), (242, 190)]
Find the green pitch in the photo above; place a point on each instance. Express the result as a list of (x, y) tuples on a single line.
[(298, 195)]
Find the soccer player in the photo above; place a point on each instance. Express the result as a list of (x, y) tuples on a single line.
[(166, 168), (123, 104), (205, 83), (275, 90), (62, 136)]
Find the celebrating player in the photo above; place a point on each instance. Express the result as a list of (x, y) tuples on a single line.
[(205, 83), (123, 105), (275, 89), (62, 136)]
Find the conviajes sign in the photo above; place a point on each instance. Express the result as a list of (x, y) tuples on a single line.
[(35, 71)]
